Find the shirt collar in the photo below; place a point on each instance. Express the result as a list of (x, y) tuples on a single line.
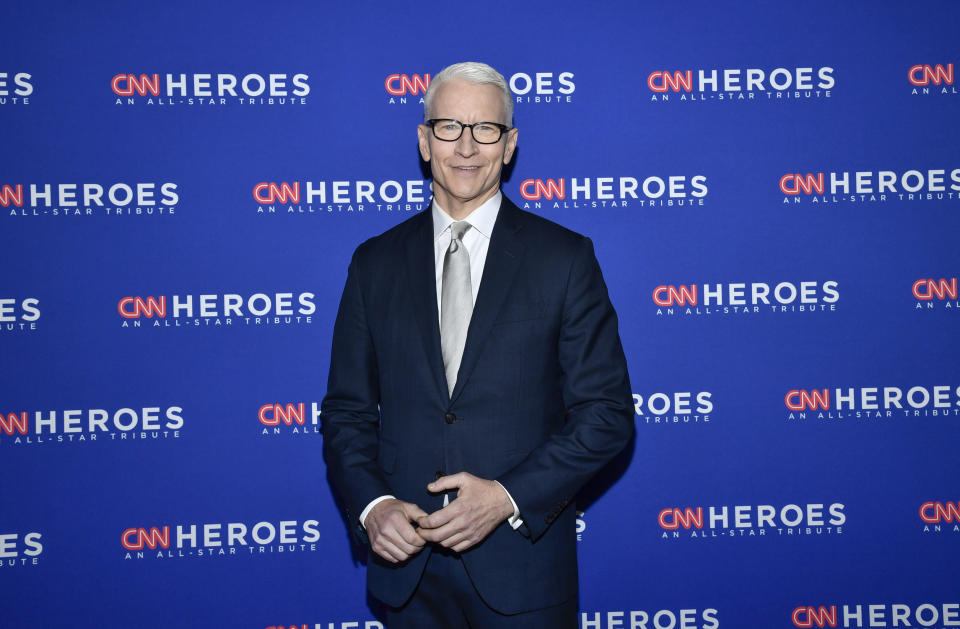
[(481, 219)]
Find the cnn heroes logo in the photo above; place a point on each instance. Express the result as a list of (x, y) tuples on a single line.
[(932, 80), (15, 88), (751, 521), (866, 403), (871, 186), (95, 424), (90, 199), (341, 197), (526, 87), (19, 314), (741, 84), (936, 294), (613, 192), (938, 615), (220, 539), (940, 516), (216, 310), (741, 298), (297, 418), (210, 89), (18, 550), (674, 408), (691, 618)]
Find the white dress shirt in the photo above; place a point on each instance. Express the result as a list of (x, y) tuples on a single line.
[(477, 242)]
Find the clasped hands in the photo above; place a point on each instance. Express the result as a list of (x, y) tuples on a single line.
[(481, 505)]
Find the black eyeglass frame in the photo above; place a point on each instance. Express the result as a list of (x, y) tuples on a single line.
[(433, 121)]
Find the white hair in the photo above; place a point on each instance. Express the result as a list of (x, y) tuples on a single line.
[(472, 72)]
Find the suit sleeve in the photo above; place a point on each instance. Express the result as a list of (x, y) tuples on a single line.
[(596, 395), (350, 409)]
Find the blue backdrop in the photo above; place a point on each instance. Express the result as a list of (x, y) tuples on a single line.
[(773, 193)]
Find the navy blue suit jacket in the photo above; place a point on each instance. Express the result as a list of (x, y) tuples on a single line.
[(542, 399)]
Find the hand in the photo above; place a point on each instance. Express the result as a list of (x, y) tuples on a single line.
[(390, 532), (481, 505)]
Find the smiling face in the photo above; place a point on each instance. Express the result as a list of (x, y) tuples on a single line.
[(466, 173)]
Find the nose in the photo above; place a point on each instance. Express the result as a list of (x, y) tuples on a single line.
[(466, 145)]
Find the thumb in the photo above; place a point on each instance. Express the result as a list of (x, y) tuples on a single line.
[(413, 512)]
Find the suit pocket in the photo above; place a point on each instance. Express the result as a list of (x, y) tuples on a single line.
[(387, 457)]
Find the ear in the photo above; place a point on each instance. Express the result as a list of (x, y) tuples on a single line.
[(423, 140), (510, 146)]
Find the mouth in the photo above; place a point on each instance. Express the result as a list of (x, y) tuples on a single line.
[(466, 168)]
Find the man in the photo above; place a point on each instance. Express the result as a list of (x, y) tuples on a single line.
[(476, 383)]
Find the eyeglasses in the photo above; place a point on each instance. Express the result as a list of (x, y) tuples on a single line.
[(450, 130)]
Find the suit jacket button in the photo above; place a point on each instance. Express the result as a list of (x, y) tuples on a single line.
[(438, 475), (450, 418)]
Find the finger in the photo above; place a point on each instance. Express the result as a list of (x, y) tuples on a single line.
[(442, 533), (427, 522), (466, 544), (446, 483), (403, 536), (452, 541), (430, 535), (413, 512), (403, 546), (397, 531), (440, 517), (388, 551), (412, 538), (405, 539)]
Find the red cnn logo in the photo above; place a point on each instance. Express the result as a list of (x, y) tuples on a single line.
[(401, 84), (663, 81), (937, 512), (672, 519), (928, 289), (273, 414), (127, 84), (536, 189), (137, 538), (923, 74), (269, 192), (12, 422), (794, 184), (673, 295), (136, 307), (802, 400), (815, 617), (11, 194)]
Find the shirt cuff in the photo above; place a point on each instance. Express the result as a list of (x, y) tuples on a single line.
[(373, 503), (515, 521)]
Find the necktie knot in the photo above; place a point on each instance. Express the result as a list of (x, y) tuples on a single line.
[(457, 230)]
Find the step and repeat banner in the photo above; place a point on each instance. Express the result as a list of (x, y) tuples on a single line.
[(774, 195)]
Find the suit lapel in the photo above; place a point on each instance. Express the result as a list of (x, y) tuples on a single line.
[(503, 260), (421, 270)]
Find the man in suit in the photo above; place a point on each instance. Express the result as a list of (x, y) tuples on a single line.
[(477, 381)]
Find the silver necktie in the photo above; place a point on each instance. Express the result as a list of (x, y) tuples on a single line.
[(456, 302)]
